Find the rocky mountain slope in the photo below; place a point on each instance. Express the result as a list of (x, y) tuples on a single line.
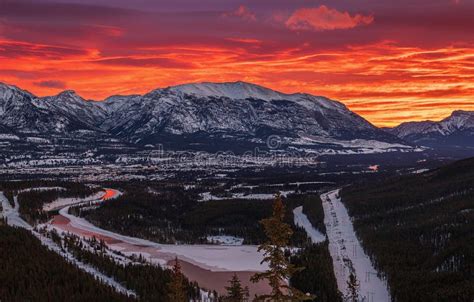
[(456, 130), (205, 116)]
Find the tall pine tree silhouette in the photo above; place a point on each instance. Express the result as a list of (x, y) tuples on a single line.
[(177, 291), (280, 269), (235, 291)]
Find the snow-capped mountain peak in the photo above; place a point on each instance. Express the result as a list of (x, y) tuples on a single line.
[(68, 94), (457, 129), (10, 92), (231, 90), (243, 90), (460, 119), (208, 115)]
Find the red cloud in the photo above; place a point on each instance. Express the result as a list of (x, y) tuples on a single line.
[(324, 18), (242, 12), (16, 49)]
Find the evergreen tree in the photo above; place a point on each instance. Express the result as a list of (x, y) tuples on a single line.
[(352, 288), (235, 292), (177, 291), (280, 269)]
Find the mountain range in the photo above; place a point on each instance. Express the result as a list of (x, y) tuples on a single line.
[(205, 116), (455, 131)]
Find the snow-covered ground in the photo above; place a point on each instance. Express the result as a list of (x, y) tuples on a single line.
[(211, 257), (419, 171), (302, 220), (95, 198), (207, 196), (347, 253), (42, 189), (11, 213), (225, 240), (63, 202)]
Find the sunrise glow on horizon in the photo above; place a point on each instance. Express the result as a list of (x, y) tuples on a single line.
[(388, 64)]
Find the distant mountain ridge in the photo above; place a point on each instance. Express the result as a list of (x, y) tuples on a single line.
[(457, 130), (202, 116)]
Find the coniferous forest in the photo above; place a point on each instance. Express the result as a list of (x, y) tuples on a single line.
[(171, 217), (30, 272), (419, 231)]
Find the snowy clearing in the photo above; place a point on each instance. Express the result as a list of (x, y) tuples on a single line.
[(207, 196), (302, 220), (225, 240), (11, 213), (347, 253)]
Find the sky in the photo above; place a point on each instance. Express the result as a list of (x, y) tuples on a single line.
[(389, 61)]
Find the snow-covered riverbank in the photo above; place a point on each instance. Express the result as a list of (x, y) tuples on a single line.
[(210, 265), (96, 198), (347, 253), (211, 257)]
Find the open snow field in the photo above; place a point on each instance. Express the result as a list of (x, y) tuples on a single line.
[(302, 220), (347, 253), (11, 213)]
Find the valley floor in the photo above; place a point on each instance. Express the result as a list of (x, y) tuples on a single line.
[(213, 265), (210, 265)]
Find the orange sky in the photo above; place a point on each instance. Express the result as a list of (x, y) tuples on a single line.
[(387, 78)]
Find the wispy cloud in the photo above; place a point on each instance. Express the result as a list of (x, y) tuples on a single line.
[(51, 84), (241, 12), (414, 60)]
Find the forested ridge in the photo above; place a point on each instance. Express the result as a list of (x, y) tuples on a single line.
[(419, 231), (150, 282), (176, 217), (31, 202), (317, 277), (30, 272)]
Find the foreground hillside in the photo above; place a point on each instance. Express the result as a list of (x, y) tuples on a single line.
[(44, 276), (419, 230)]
